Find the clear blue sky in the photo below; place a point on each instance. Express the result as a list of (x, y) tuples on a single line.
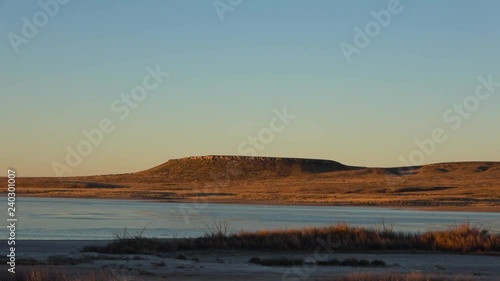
[(226, 77)]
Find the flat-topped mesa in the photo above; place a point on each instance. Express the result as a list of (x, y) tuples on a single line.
[(208, 167), (250, 158)]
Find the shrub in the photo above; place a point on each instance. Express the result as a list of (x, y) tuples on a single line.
[(365, 263), (462, 238), (332, 262), (181, 257), (158, 264), (282, 261), (254, 260), (349, 262), (377, 263)]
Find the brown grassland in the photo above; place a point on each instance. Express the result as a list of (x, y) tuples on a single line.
[(463, 238), (453, 186)]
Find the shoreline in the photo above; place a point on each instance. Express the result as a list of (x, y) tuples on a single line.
[(427, 208), (212, 265)]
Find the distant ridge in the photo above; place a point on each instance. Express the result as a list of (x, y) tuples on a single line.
[(247, 179), (203, 168), (241, 167)]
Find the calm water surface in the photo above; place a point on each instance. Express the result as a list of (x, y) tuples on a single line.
[(60, 218)]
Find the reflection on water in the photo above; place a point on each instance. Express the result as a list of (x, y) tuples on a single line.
[(60, 218)]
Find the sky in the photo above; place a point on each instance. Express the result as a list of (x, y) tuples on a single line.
[(324, 79)]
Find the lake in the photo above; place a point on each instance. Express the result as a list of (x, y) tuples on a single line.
[(93, 219)]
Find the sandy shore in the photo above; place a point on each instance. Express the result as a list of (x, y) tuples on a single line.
[(232, 265)]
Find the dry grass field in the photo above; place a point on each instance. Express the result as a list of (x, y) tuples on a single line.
[(453, 186), (464, 238)]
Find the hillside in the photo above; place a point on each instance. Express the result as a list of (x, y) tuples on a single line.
[(456, 186), (241, 167)]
